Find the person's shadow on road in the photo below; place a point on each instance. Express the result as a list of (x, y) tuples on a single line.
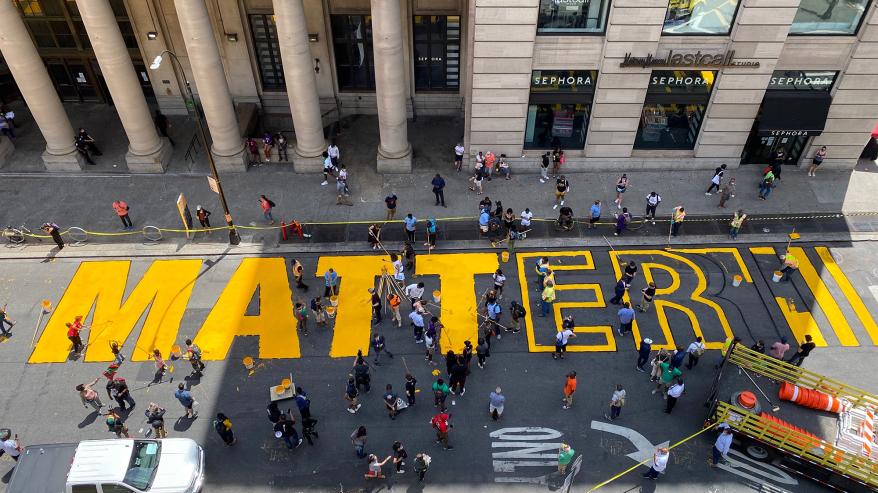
[(50, 257), (91, 418), (183, 423)]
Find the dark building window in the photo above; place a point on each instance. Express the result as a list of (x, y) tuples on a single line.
[(700, 16), (437, 52), (267, 52), (58, 24), (572, 16), (354, 62), (816, 17), (558, 109), (674, 109)]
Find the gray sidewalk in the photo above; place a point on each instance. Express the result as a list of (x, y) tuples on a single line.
[(84, 199)]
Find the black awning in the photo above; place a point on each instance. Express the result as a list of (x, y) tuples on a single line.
[(791, 113)]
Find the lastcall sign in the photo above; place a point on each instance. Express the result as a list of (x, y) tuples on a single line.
[(698, 59)]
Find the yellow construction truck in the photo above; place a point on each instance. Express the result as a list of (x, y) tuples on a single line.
[(797, 420)]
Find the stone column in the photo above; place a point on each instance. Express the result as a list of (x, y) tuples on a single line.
[(292, 34), (213, 90), (394, 150), (147, 152), (38, 91)]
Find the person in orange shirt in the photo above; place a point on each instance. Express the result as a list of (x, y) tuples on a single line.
[(121, 209), (489, 164), (394, 301), (569, 389)]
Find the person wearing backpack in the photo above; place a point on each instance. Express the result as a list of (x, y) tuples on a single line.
[(116, 424), (267, 205), (518, 313), (223, 426), (695, 350), (193, 352)]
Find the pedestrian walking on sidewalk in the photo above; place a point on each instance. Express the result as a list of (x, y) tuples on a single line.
[(819, 156), (458, 156), (621, 187), (569, 390), (626, 318), (562, 186), (766, 185), (89, 396), (82, 149), (186, 400), (359, 438), (565, 457), (622, 220), (736, 223), (285, 429), (328, 169), (55, 232), (777, 166), (694, 351), (594, 214), (342, 190), (726, 193), (716, 180), (619, 290), (253, 149), (652, 201), (544, 168), (439, 189), (659, 463), (442, 426), (334, 154), (410, 227), (203, 216), (616, 402), (648, 296), (677, 219), (803, 351), (722, 446), (298, 274), (422, 463), (121, 209), (674, 392), (496, 403), (643, 354), (379, 345), (267, 205), (563, 337), (223, 426), (399, 457)]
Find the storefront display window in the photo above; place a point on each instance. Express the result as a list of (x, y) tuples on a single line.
[(798, 80), (560, 103), (674, 109), (700, 16), (437, 52), (572, 16), (822, 17)]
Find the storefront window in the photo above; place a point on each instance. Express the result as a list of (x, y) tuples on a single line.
[(674, 109), (267, 52), (560, 103), (354, 62), (437, 52), (828, 17), (572, 16), (700, 16)]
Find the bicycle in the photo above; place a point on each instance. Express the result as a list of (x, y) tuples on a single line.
[(18, 236)]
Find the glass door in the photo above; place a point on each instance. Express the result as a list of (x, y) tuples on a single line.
[(761, 150), (63, 82)]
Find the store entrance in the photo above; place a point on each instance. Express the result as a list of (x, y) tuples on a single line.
[(762, 149)]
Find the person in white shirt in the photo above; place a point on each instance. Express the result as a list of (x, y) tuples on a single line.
[(458, 156), (563, 337), (526, 216), (11, 447), (480, 159), (334, 153), (616, 403), (659, 463), (415, 291), (328, 168), (398, 268), (674, 393), (652, 201), (722, 445), (695, 350), (499, 281), (503, 167)]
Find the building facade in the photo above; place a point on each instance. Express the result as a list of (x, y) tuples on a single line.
[(616, 84)]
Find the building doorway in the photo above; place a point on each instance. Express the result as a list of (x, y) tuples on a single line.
[(762, 149)]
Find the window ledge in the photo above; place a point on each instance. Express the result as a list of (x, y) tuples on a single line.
[(676, 153)]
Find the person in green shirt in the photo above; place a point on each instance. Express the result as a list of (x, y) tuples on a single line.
[(565, 455), (440, 392), (668, 375)]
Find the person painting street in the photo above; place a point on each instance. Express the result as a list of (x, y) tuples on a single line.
[(789, 266), (619, 291), (285, 429)]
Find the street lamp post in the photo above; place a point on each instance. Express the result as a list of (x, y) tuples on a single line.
[(234, 239)]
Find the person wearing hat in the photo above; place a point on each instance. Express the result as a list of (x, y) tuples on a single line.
[(643, 354), (203, 216), (565, 456)]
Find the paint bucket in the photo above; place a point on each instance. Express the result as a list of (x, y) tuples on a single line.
[(47, 306), (736, 281), (175, 351), (777, 276), (286, 382), (279, 389), (248, 362), (504, 256), (330, 311), (437, 295), (333, 300)]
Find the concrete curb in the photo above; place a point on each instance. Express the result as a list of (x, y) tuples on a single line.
[(209, 250)]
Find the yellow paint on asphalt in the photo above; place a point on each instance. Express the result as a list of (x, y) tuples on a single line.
[(353, 321), (274, 325), (762, 250), (849, 292), (824, 298), (163, 291), (734, 252), (801, 323), (457, 273)]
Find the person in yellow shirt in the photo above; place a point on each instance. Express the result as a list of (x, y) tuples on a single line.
[(790, 265), (677, 219), (547, 298)]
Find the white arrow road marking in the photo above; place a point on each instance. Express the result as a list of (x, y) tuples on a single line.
[(767, 471), (645, 448)]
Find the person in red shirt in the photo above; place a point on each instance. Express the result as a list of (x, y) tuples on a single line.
[(73, 330), (121, 209), (569, 389), (441, 425)]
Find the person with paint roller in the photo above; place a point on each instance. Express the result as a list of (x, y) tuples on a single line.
[(790, 265)]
